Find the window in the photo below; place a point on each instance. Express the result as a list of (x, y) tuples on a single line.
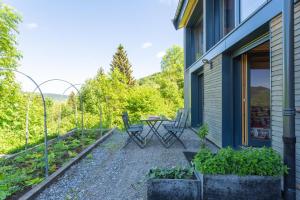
[(197, 39), (247, 7), (220, 20), (228, 16)]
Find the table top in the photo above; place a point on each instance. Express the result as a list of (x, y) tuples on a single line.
[(155, 118)]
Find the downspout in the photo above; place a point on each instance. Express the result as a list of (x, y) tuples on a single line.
[(289, 139)]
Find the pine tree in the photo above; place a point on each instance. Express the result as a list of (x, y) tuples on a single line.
[(121, 62)]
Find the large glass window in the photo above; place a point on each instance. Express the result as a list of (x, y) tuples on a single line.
[(220, 19), (247, 7), (228, 16), (260, 87), (197, 38)]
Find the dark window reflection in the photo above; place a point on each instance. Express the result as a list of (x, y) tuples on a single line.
[(197, 34), (228, 16), (260, 121)]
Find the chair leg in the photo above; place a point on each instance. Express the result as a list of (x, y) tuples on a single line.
[(129, 140), (136, 138), (174, 135)]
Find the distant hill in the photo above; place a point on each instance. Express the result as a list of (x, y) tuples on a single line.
[(260, 96), (150, 78), (56, 97)]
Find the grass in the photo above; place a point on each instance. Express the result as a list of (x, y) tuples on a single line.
[(21, 173)]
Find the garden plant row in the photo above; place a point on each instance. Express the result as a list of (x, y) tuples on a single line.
[(21, 173)]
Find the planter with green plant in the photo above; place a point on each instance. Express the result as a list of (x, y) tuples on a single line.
[(250, 173), (172, 184)]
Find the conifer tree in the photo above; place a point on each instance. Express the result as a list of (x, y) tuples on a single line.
[(121, 62)]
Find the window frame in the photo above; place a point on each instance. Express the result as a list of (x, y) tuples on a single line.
[(239, 10)]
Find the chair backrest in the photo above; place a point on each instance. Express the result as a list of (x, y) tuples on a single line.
[(183, 119), (178, 117), (125, 119)]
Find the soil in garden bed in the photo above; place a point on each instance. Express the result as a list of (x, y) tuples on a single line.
[(21, 173)]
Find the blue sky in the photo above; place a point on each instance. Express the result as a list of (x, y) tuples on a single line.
[(71, 39)]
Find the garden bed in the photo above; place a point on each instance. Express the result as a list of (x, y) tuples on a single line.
[(69, 133), (173, 184), (250, 173), (21, 173)]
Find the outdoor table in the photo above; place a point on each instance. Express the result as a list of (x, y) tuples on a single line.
[(154, 122)]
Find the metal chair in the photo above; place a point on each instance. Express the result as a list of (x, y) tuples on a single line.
[(134, 132), (174, 133), (129, 124), (175, 122)]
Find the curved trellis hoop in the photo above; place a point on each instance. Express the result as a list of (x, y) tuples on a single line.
[(59, 117), (45, 114), (30, 99)]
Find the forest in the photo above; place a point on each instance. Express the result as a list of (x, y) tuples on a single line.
[(105, 96)]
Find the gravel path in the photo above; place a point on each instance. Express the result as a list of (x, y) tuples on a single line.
[(111, 172)]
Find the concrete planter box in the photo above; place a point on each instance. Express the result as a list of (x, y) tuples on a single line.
[(232, 187), (173, 189)]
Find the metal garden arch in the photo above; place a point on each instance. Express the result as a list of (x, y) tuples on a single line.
[(38, 86), (59, 120), (45, 114)]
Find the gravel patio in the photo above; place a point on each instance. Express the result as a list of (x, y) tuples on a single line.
[(111, 172)]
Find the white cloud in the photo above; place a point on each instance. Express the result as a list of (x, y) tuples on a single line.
[(31, 25), (147, 45), (160, 54), (169, 2)]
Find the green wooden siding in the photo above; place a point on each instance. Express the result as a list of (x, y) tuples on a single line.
[(277, 86), (297, 91), (276, 81), (213, 100)]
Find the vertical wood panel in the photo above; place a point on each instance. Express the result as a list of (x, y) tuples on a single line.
[(213, 100), (277, 77), (297, 95)]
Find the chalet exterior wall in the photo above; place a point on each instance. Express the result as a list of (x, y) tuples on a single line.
[(297, 91), (213, 100), (264, 25), (276, 44), (276, 83)]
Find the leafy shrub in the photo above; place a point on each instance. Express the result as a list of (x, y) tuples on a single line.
[(172, 173), (202, 133), (250, 161)]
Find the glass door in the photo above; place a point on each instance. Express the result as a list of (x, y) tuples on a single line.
[(256, 97)]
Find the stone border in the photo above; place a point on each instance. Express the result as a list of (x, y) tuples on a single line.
[(231, 187), (53, 177)]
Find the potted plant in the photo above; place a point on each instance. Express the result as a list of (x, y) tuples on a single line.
[(202, 133), (173, 184), (250, 173)]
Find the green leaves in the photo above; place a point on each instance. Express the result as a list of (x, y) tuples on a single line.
[(27, 169), (109, 95), (202, 133), (172, 173), (9, 20), (250, 161)]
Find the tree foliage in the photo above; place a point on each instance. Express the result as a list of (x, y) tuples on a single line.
[(10, 98), (9, 20), (158, 94), (121, 62)]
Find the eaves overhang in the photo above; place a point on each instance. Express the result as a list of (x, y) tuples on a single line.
[(184, 11)]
